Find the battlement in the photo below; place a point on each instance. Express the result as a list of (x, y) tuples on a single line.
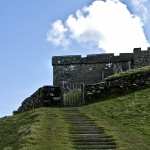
[(94, 68), (64, 60), (139, 50), (91, 59), (97, 58)]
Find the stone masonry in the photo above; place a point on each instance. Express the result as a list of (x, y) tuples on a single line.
[(46, 96), (117, 85), (70, 70), (90, 76)]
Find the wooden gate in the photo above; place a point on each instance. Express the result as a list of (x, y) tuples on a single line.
[(74, 96)]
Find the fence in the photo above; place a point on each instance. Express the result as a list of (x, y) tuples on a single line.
[(73, 95)]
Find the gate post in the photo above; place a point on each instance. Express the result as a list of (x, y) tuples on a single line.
[(83, 92)]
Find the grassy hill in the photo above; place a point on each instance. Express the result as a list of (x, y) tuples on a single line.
[(43, 129), (127, 118)]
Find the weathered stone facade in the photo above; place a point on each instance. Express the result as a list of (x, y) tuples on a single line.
[(141, 58), (88, 79), (69, 70)]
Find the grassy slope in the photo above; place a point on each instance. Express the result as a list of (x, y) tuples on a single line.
[(136, 71), (43, 129), (127, 118)]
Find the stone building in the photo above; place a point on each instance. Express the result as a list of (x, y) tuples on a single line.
[(69, 71)]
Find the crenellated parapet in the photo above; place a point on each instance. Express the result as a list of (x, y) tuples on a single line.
[(94, 68), (63, 60), (91, 59)]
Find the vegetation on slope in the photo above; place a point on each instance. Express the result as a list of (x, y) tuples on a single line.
[(129, 73), (127, 118), (43, 129)]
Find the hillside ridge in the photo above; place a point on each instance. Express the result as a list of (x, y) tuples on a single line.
[(126, 118)]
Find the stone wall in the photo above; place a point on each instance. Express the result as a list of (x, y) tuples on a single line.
[(91, 69), (83, 73), (141, 58), (114, 85), (94, 68), (117, 85), (43, 97)]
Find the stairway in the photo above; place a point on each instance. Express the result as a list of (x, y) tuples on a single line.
[(84, 133)]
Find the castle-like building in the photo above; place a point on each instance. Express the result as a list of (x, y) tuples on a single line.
[(82, 73), (72, 70)]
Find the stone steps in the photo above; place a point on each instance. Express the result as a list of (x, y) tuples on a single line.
[(93, 140), (95, 146), (96, 143), (84, 133), (89, 136)]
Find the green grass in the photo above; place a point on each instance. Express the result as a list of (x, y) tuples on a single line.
[(129, 73), (43, 129), (127, 118)]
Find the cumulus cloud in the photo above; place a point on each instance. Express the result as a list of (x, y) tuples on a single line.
[(107, 24), (57, 34)]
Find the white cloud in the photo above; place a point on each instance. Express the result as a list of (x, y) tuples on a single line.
[(109, 25), (57, 34)]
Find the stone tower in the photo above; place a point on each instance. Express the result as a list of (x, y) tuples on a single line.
[(69, 70)]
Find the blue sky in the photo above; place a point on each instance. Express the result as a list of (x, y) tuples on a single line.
[(25, 51)]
